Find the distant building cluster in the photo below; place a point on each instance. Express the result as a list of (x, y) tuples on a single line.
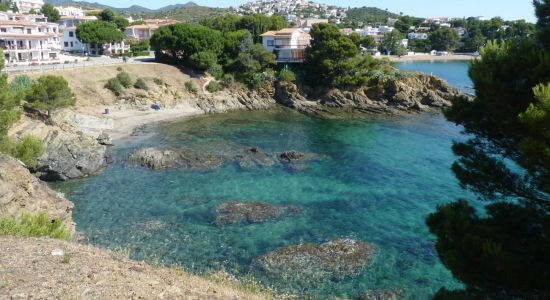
[(294, 10)]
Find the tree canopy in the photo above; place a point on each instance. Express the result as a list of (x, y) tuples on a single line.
[(444, 39), (99, 32), (502, 253), (49, 93), (50, 12)]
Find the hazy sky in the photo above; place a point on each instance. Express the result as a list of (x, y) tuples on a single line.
[(508, 9)]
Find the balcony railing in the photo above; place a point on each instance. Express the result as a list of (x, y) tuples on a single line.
[(292, 47)]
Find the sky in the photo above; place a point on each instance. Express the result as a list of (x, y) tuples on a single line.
[(507, 9)]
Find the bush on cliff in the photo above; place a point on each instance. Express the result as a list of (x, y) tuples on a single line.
[(190, 87), (34, 225), (124, 79), (213, 87), (140, 84), (28, 149), (115, 86)]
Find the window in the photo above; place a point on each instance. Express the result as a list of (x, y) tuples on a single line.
[(29, 31), (71, 33), (72, 45), (271, 43), (3, 30), (66, 44)]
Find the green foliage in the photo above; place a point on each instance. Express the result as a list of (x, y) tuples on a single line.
[(393, 43), (180, 41), (420, 46), (253, 62), (190, 14), (444, 39), (502, 254), (9, 103), (542, 10), (121, 22), (190, 87), (216, 70), (115, 86), (368, 15), (158, 81), (140, 84), (329, 56), (51, 13), (203, 60), (28, 149), (20, 84), (49, 93), (5, 5), (213, 87), (107, 15), (256, 24), (124, 79), (38, 225), (287, 75), (99, 32), (228, 79), (140, 46)]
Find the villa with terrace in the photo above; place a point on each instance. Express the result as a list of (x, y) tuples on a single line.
[(288, 44)]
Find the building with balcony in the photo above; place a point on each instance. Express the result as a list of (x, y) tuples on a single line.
[(288, 44), (25, 6), (70, 11), (28, 39), (140, 32)]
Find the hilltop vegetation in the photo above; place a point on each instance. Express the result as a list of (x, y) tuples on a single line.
[(369, 15)]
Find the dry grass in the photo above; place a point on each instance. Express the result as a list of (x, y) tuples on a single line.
[(29, 270)]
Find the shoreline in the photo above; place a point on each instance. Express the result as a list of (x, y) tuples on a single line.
[(427, 57)]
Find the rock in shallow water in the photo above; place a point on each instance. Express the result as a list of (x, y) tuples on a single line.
[(250, 212), (335, 260), (158, 159)]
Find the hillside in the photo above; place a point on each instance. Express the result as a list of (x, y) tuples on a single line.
[(188, 12), (369, 15)]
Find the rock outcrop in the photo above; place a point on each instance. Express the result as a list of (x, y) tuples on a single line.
[(409, 93), (72, 149), (21, 192), (250, 212), (335, 260)]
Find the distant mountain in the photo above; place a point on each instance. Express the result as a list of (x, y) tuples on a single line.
[(189, 12)]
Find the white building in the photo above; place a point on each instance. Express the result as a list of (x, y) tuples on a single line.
[(140, 32), (417, 36), (26, 6), (70, 11), (28, 39), (288, 44)]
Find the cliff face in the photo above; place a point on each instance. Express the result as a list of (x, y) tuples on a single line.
[(20, 192)]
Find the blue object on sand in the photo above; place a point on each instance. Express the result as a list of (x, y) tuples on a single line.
[(155, 106)]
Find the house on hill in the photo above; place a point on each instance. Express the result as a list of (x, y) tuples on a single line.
[(288, 44)]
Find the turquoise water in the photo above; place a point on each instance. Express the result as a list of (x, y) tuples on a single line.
[(382, 177), (455, 72)]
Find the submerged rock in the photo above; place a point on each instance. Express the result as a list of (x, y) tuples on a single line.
[(336, 260), (254, 157), (158, 159), (292, 155), (250, 212), (382, 295)]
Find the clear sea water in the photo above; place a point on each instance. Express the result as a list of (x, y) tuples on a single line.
[(383, 176)]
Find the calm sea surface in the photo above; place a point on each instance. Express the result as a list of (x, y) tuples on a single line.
[(383, 176)]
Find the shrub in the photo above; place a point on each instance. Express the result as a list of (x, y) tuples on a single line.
[(213, 87), (50, 92), (28, 149), (114, 86), (20, 84), (287, 75), (119, 69), (124, 79), (140, 84), (37, 225), (228, 79), (203, 60), (158, 81), (216, 70), (190, 87)]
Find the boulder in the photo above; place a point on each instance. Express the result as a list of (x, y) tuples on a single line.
[(104, 139), (254, 157), (158, 159), (21, 192), (250, 212), (333, 260)]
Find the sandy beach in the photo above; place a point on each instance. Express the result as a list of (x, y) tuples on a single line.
[(427, 57)]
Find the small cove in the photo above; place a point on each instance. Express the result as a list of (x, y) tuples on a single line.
[(382, 177)]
